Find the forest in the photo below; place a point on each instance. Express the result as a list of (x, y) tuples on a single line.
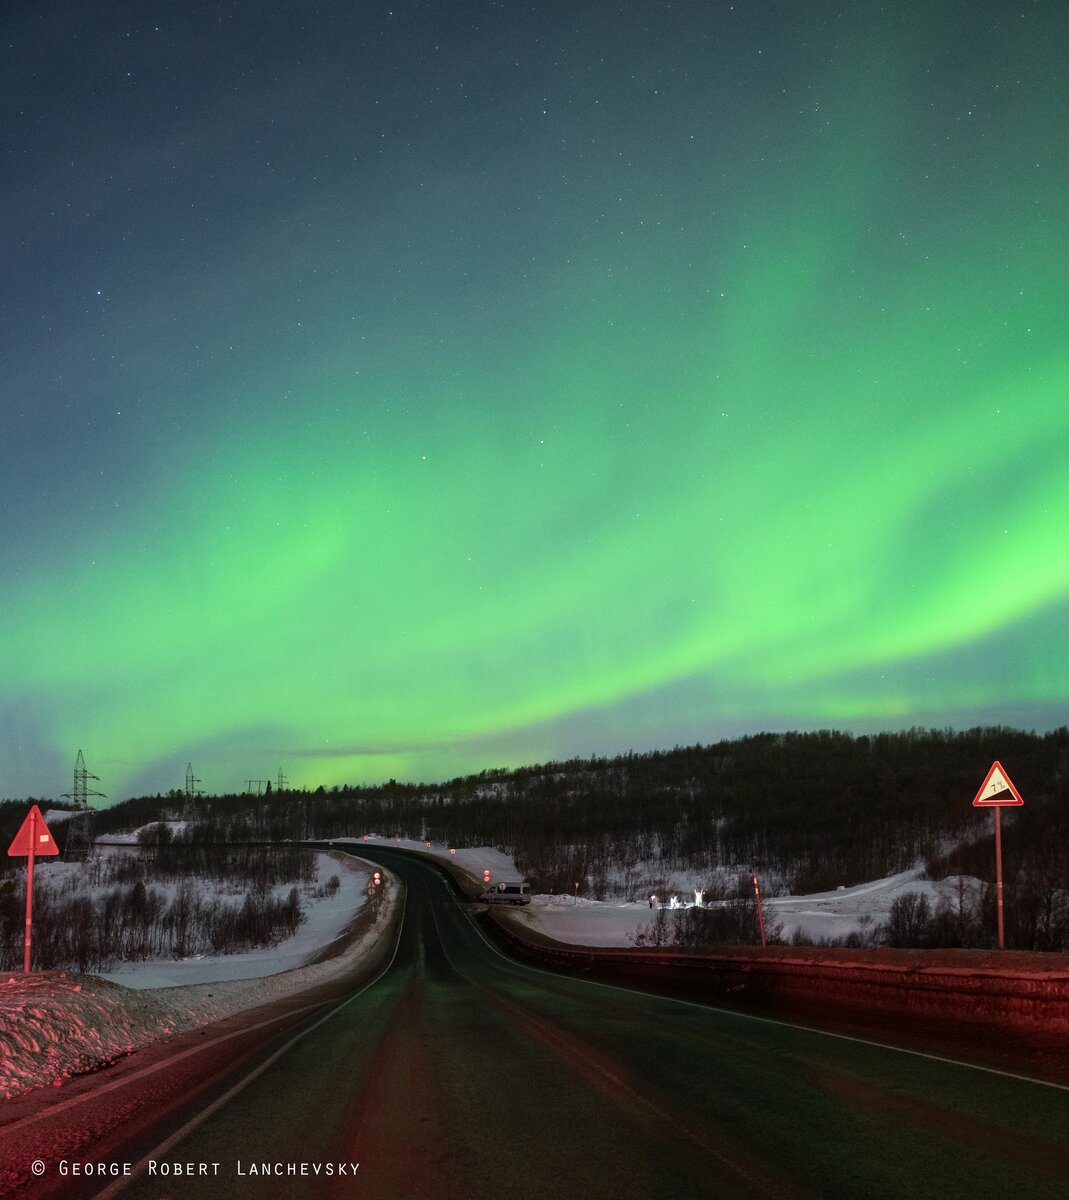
[(169, 900), (808, 811)]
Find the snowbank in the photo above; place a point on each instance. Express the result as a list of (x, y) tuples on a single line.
[(54, 1025), (822, 915), (584, 922), (473, 859), (325, 921)]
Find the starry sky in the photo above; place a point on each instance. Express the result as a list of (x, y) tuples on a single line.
[(397, 390)]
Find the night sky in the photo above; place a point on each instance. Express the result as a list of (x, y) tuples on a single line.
[(402, 390)]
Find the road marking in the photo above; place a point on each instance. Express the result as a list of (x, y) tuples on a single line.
[(54, 1110), (179, 1135), (569, 1046), (744, 1016)]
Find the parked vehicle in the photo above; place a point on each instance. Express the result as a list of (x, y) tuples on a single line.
[(508, 893)]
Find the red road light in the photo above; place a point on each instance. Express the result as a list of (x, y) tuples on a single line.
[(378, 877), (452, 850), (486, 876)]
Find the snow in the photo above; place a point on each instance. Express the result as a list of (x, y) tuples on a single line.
[(834, 914), (54, 1025), (53, 816), (177, 828), (473, 859), (585, 922), (837, 913), (324, 923)]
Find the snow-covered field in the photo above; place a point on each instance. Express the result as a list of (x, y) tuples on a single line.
[(53, 1025), (586, 922), (474, 860), (568, 918), (821, 915), (325, 919)]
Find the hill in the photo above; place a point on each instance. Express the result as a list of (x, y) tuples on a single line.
[(808, 811)]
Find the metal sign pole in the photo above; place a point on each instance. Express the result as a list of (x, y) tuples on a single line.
[(760, 914), (29, 893), (33, 840), (998, 790), (998, 877)]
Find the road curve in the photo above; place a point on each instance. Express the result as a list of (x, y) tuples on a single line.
[(462, 1073)]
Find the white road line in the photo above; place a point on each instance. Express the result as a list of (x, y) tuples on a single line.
[(95, 1093), (744, 1016), (179, 1135)]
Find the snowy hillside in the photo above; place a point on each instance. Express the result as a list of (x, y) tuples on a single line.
[(54, 1025), (821, 916)]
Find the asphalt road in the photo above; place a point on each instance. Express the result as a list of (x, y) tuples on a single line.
[(462, 1073)]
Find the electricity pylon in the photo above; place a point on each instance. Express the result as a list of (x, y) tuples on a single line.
[(189, 811), (79, 842)]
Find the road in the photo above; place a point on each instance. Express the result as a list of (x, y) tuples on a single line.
[(461, 1073)]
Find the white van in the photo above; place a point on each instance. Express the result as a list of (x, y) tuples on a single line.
[(508, 893)]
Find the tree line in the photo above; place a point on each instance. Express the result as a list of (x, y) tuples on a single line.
[(116, 908), (808, 811)]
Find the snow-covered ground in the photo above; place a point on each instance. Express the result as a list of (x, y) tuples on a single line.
[(843, 911), (474, 860), (821, 915), (53, 1025), (325, 919), (586, 922)]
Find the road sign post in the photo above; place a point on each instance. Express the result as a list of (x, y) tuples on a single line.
[(999, 903), (32, 839), (998, 792), (760, 914)]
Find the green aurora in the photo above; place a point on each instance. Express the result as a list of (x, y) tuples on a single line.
[(578, 385)]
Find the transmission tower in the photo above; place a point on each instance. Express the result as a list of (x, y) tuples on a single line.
[(80, 826), (281, 785), (189, 811)]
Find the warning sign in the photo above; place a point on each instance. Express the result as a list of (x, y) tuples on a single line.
[(33, 832), (997, 791)]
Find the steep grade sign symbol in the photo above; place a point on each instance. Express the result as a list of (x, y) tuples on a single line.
[(997, 790)]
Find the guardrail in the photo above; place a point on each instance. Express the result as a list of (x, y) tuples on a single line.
[(1017, 990)]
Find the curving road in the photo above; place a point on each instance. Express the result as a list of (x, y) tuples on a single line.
[(462, 1073)]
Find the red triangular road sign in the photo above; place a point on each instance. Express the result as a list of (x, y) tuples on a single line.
[(43, 842), (997, 790)]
